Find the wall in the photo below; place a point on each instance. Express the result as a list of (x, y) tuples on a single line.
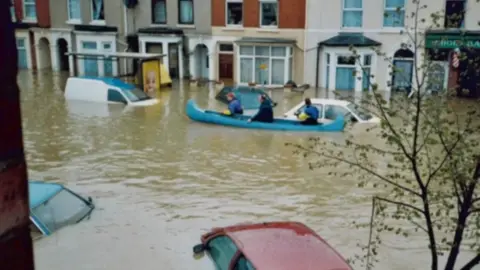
[(43, 13), (142, 16), (291, 13)]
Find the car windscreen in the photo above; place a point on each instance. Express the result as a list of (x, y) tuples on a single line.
[(360, 112), (62, 209), (136, 94)]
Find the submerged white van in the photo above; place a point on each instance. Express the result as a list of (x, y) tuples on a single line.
[(106, 90)]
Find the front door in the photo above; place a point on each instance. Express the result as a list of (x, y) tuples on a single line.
[(402, 75), (437, 77), (173, 62), (225, 66)]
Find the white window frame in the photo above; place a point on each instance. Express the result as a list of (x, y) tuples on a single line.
[(12, 11), (74, 20), (370, 66), (287, 58), (153, 12), (226, 13), (97, 22), (31, 3), (385, 9), (351, 9), (261, 2)]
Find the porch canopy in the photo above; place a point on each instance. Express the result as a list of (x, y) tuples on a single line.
[(254, 40), (349, 39), (126, 55)]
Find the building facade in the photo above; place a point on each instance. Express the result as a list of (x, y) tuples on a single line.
[(258, 41), (370, 26), (29, 16), (179, 29)]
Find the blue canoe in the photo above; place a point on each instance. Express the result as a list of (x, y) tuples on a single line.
[(241, 121)]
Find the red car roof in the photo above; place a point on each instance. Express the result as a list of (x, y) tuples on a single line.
[(284, 246)]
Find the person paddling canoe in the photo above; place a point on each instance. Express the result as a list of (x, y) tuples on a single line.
[(234, 105)]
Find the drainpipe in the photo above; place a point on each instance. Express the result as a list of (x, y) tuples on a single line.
[(317, 66)]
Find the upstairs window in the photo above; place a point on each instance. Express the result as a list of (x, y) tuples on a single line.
[(74, 10), (159, 12), (185, 10), (455, 13), (234, 12), (394, 14), (268, 13), (98, 10), (30, 10), (352, 13), (12, 11)]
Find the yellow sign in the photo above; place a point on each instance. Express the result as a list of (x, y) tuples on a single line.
[(263, 66), (151, 75)]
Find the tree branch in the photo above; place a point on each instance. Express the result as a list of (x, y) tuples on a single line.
[(474, 261), (363, 168), (406, 205)]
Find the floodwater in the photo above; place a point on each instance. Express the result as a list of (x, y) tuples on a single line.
[(159, 181)]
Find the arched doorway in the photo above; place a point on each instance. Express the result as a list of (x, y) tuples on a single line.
[(44, 56), (402, 73), (62, 46), (201, 60)]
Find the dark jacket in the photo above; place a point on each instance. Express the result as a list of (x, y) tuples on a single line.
[(265, 113), (235, 107)]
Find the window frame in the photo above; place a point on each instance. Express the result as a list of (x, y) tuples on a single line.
[(180, 13), (69, 11), (394, 9), (462, 25), (261, 2), (234, 256), (92, 10), (334, 105), (26, 3), (344, 9), (226, 13), (155, 2), (287, 58)]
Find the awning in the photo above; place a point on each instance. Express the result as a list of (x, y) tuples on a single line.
[(254, 40), (349, 39)]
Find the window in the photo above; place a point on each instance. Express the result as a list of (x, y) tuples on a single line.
[(345, 73), (22, 53), (269, 65), (97, 10), (352, 13), (62, 209), (360, 112), (107, 62), (243, 264), (366, 67), (12, 11), (394, 15), (222, 249), (135, 95), (234, 12), (455, 13), (30, 10), (159, 12), (319, 107), (226, 47), (185, 11), (332, 111), (90, 64), (116, 96), (74, 10), (268, 13)]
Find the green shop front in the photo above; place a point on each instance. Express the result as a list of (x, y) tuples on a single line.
[(455, 57)]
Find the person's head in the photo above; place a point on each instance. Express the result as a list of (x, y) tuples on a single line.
[(308, 102), (230, 96)]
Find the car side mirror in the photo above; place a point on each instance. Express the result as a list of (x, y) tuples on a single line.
[(198, 249)]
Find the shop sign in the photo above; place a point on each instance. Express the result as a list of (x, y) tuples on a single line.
[(452, 42)]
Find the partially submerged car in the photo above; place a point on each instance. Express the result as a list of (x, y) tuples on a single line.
[(248, 96), (330, 108), (52, 206), (266, 246), (106, 90)]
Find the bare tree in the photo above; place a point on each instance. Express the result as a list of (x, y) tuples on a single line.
[(432, 161)]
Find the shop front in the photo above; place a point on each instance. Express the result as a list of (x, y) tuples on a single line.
[(455, 61)]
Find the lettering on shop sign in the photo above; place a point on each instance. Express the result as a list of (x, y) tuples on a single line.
[(456, 43)]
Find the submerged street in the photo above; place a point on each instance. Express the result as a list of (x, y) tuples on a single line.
[(159, 181)]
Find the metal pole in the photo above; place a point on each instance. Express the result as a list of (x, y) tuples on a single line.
[(15, 241)]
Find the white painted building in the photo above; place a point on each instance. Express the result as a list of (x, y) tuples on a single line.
[(333, 25)]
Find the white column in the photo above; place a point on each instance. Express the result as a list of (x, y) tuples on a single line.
[(180, 60), (38, 59), (54, 57), (211, 62), (71, 64), (332, 73), (165, 51), (358, 73), (192, 60)]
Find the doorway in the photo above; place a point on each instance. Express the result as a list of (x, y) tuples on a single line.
[(44, 55), (225, 62), (62, 58), (437, 77), (201, 61), (402, 74), (173, 61)]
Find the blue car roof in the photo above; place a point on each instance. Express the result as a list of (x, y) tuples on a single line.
[(112, 81), (40, 192)]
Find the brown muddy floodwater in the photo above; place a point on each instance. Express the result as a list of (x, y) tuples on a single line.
[(159, 181)]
